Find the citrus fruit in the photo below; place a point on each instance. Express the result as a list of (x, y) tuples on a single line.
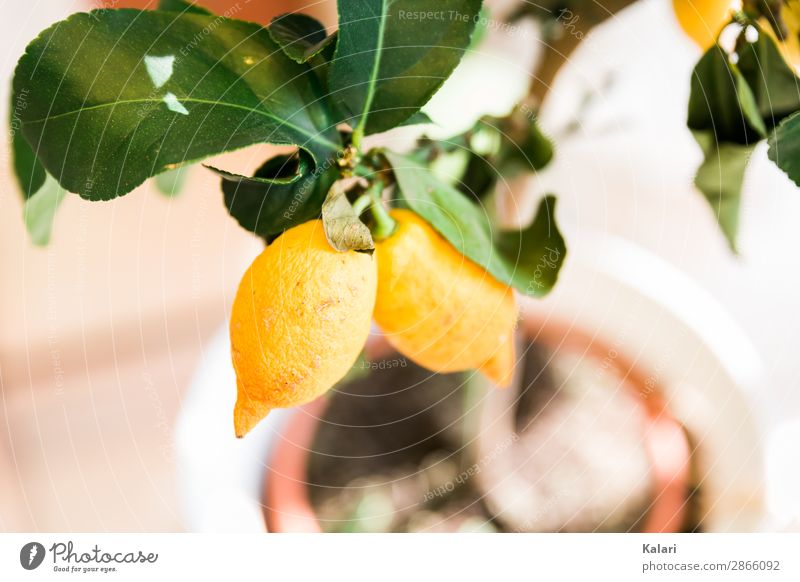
[(440, 309), (299, 321), (702, 20)]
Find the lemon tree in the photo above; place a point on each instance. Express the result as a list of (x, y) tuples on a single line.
[(105, 100)]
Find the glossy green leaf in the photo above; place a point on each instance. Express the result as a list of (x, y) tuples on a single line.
[(720, 179), (504, 147), (714, 101), (343, 229), (300, 36), (181, 6), (482, 23), (772, 81), (480, 177), (40, 210), (283, 193), (193, 86), (528, 260), (784, 147), (731, 108), (392, 56), (524, 140), (418, 118), (28, 169), (740, 103), (747, 101), (537, 252)]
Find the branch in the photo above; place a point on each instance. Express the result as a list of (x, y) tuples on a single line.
[(566, 24)]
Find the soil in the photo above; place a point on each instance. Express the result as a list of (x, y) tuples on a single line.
[(395, 451)]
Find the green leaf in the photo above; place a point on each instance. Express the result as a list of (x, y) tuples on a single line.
[(523, 140), (483, 21), (181, 6), (28, 169), (506, 147), (117, 96), (714, 101), (773, 82), (537, 252), (480, 177), (40, 210), (740, 103), (281, 194), (418, 118), (392, 56), (300, 36), (537, 148), (784, 147), (170, 183), (527, 260), (343, 229), (731, 108), (747, 102), (720, 179)]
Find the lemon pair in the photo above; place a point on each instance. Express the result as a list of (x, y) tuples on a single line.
[(303, 312)]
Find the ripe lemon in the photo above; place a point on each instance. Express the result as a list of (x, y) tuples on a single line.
[(439, 308), (702, 20), (299, 320)]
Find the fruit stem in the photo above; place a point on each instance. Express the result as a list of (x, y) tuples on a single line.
[(355, 138), (384, 224), (361, 203)]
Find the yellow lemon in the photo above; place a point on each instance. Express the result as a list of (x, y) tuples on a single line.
[(439, 308), (702, 20), (299, 321)]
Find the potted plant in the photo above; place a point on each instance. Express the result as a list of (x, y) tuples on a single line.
[(413, 239)]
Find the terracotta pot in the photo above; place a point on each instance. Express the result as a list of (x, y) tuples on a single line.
[(286, 503)]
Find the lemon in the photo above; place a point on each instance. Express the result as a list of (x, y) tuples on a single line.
[(702, 20), (440, 309), (299, 321)]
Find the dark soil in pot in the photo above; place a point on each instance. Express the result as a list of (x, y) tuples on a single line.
[(395, 451)]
